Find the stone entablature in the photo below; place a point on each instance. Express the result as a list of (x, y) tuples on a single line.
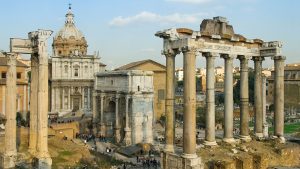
[(133, 81)]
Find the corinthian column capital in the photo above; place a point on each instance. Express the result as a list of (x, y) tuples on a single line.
[(170, 52), (188, 49)]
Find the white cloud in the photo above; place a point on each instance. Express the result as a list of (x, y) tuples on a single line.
[(191, 1), (149, 17)]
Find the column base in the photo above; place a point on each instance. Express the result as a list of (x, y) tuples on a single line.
[(191, 161), (8, 161), (117, 135), (169, 148), (280, 139), (259, 136), (210, 143), (42, 163), (229, 140), (127, 138), (245, 138)]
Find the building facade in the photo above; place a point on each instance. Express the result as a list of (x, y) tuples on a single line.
[(72, 70), (291, 87), (123, 106)]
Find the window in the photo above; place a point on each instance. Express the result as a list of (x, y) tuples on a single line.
[(161, 94), (66, 68), (76, 72), (138, 88), (112, 82), (18, 75), (86, 69), (59, 52), (3, 75)]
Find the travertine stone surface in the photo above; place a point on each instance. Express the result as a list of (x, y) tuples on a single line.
[(258, 104), (244, 99), (170, 94)]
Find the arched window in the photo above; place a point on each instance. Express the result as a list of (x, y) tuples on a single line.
[(66, 69)]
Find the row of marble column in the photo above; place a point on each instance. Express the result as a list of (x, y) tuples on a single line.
[(117, 135), (189, 123), (58, 101)]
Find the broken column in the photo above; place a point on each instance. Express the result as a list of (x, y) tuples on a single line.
[(8, 158), (228, 91), (210, 139), (258, 104), (170, 94), (279, 98), (244, 99)]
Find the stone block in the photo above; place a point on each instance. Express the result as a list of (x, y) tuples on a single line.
[(41, 163), (244, 162), (260, 161), (224, 165), (7, 162)]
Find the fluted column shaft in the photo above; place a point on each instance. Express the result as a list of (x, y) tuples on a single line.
[(210, 100), (279, 96), (10, 112), (169, 104), (228, 119), (244, 99), (95, 114), (189, 116), (258, 104)]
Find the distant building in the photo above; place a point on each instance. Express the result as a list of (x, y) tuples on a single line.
[(291, 87), (23, 94), (130, 90), (159, 82), (179, 74), (71, 70)]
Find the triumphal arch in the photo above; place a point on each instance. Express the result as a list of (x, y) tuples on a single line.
[(36, 45), (215, 39)]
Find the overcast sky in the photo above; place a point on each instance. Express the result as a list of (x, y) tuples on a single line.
[(123, 30)]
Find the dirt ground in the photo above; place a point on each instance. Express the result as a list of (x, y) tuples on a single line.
[(252, 155)]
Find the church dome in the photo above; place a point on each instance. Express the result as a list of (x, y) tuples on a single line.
[(69, 41), (69, 30)]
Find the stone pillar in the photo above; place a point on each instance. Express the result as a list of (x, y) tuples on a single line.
[(244, 99), (210, 100), (102, 124), (82, 97), (89, 99), (264, 96), (63, 98), (39, 40), (169, 103), (3, 100), (10, 149), (117, 126), (127, 137), (189, 116), (69, 98), (228, 118), (258, 104), (95, 114), (33, 104), (24, 100), (279, 98), (52, 99)]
